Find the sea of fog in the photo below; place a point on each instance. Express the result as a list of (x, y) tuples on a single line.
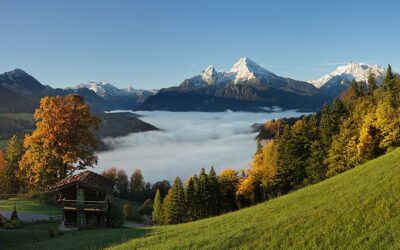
[(187, 142)]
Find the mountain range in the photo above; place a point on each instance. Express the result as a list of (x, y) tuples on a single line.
[(246, 86)]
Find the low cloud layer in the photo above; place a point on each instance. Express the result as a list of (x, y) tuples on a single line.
[(188, 141)]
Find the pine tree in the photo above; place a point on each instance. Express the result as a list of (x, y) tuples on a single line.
[(157, 209), (197, 200), (178, 206), (203, 194), (372, 85), (355, 87), (14, 152), (190, 197), (213, 204), (259, 146), (388, 83), (166, 208), (326, 126)]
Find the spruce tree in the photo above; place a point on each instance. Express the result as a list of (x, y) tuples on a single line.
[(259, 146), (190, 197), (203, 194), (355, 87), (372, 85), (14, 152), (326, 126), (178, 207), (213, 193), (157, 209), (166, 208), (388, 80)]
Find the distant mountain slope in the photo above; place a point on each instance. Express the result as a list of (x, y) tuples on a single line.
[(21, 92), (338, 80), (358, 209), (246, 86), (11, 102)]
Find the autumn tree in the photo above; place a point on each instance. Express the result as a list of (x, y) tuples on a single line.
[(63, 141), (166, 208), (228, 183), (137, 185), (3, 187)]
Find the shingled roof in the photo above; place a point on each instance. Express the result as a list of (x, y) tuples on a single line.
[(88, 179)]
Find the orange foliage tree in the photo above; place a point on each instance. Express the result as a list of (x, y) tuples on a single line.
[(62, 142)]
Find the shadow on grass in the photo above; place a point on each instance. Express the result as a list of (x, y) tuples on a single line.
[(83, 239)]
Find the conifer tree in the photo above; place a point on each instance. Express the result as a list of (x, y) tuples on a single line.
[(213, 193), (157, 209), (372, 85), (178, 206), (388, 83), (166, 208), (259, 146), (14, 152), (203, 194), (190, 197), (355, 87), (228, 182)]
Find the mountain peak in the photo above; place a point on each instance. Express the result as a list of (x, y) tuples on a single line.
[(344, 74), (246, 69)]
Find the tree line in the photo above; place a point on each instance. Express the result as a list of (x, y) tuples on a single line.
[(362, 124)]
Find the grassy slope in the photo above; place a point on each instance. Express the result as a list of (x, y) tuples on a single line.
[(359, 209), (28, 206)]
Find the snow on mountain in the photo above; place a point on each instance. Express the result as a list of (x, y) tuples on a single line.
[(246, 69), (106, 89), (345, 74), (243, 70)]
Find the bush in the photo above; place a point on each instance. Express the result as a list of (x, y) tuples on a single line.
[(14, 215), (146, 208), (2, 222), (115, 215), (49, 198), (128, 212), (52, 233), (8, 226)]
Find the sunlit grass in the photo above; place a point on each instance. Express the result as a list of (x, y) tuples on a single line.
[(359, 209), (28, 206)]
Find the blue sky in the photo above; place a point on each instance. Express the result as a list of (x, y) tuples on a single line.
[(153, 44)]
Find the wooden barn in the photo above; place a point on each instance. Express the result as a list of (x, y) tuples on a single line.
[(83, 198)]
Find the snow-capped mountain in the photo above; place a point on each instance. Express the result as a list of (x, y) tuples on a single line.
[(246, 69), (342, 76), (105, 89), (246, 86), (127, 98), (243, 70)]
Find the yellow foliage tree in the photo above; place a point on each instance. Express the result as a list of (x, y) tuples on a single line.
[(62, 142)]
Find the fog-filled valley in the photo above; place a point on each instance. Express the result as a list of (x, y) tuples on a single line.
[(186, 142)]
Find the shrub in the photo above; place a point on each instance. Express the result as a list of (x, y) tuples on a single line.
[(146, 208), (49, 198), (52, 233), (14, 215), (8, 226), (128, 212), (115, 215), (2, 223)]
